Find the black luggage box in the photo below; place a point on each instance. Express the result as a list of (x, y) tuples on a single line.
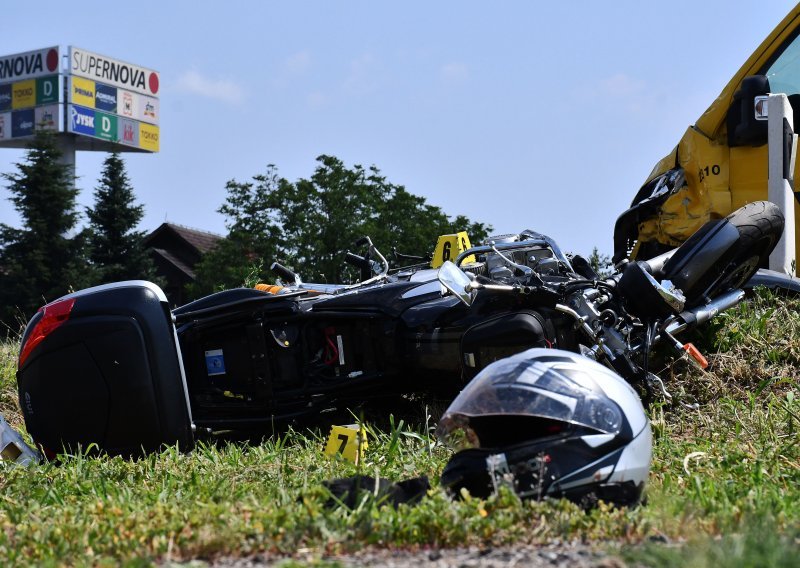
[(103, 366)]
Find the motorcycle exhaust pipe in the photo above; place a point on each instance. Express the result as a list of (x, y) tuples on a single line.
[(702, 314), (656, 264)]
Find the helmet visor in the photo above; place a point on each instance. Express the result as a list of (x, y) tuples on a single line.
[(524, 387)]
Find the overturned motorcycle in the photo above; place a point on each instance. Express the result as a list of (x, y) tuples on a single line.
[(113, 366)]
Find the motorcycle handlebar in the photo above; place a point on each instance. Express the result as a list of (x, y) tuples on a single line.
[(284, 272), (356, 260)]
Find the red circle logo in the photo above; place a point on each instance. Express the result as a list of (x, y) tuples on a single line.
[(52, 60), (153, 80)]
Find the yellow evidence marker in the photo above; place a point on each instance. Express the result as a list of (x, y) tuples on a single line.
[(448, 247), (347, 441)]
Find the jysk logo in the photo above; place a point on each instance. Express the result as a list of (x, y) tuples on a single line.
[(105, 98), (82, 120), (5, 97)]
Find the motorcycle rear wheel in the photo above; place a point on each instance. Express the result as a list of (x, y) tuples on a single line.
[(759, 225)]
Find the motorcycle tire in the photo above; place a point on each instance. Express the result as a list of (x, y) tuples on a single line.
[(703, 273)]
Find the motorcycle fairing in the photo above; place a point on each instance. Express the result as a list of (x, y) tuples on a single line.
[(501, 336)]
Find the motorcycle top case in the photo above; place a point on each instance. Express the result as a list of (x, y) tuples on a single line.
[(108, 373)]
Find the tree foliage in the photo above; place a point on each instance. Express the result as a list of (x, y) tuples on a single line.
[(116, 247), (41, 261), (601, 263), (254, 235), (309, 224)]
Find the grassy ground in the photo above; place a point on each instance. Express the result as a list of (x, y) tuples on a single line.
[(724, 489)]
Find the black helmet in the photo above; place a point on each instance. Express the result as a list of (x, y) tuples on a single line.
[(548, 423)]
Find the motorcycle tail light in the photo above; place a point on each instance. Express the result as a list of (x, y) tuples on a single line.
[(53, 316)]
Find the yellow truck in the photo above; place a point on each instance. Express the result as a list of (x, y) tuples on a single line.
[(721, 162)]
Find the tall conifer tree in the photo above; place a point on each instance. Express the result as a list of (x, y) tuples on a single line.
[(115, 245), (44, 259)]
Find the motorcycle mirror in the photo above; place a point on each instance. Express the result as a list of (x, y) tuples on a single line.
[(457, 281)]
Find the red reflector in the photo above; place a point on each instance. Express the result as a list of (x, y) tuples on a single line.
[(696, 356), (53, 315)]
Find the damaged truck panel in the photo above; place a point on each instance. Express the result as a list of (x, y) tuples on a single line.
[(720, 173)]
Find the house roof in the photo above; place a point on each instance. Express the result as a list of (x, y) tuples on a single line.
[(201, 241), (175, 261)]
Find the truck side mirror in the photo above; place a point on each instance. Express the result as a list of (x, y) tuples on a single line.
[(744, 129)]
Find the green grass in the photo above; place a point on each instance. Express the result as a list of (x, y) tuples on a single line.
[(724, 488)]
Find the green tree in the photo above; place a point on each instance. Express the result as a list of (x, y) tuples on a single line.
[(253, 236), (115, 245), (601, 263), (40, 261), (324, 215), (309, 224)]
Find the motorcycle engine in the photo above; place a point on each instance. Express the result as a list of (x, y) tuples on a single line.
[(539, 258)]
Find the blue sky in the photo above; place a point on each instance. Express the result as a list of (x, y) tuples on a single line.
[(537, 115)]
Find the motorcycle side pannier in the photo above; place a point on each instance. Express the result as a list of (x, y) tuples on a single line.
[(102, 366)]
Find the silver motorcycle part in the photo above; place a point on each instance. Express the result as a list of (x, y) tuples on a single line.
[(13, 448)]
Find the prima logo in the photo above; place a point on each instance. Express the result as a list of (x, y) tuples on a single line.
[(82, 92)]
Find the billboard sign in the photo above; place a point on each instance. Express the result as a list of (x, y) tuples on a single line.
[(113, 72), (105, 98), (138, 107), (148, 136), (47, 117), (29, 65), (81, 92), (5, 126), (128, 131), (112, 128), (5, 97), (81, 120), (22, 123), (23, 94), (47, 90)]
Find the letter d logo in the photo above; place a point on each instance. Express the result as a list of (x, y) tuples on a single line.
[(106, 124), (48, 89)]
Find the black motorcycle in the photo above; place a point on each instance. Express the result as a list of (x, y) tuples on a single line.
[(113, 366)]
